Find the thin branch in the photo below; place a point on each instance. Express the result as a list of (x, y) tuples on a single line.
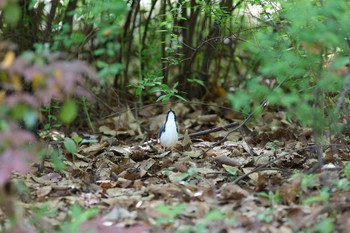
[(259, 168), (208, 131)]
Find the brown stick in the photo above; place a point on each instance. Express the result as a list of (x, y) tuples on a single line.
[(263, 166), (208, 131)]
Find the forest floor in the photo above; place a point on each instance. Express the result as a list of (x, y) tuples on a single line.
[(263, 177)]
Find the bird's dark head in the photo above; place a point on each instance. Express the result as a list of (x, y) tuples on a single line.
[(170, 115)]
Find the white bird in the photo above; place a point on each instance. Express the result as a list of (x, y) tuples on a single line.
[(168, 135)]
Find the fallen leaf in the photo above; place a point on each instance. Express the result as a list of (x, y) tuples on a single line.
[(232, 192), (107, 131)]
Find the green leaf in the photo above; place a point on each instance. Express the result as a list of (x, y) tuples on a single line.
[(77, 38), (69, 111), (56, 161), (324, 196), (101, 64), (77, 139), (347, 170), (99, 52), (181, 98), (171, 211), (325, 225), (339, 62), (163, 98), (155, 89), (30, 118), (214, 215), (197, 81), (11, 13), (70, 145), (230, 170), (78, 217), (3, 125)]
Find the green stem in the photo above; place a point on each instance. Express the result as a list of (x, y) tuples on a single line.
[(87, 114)]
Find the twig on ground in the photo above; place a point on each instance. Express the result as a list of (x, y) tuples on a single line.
[(263, 104), (208, 131), (258, 168)]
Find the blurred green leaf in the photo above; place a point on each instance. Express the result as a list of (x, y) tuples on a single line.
[(215, 214), (69, 111), (347, 170), (78, 217), (11, 13), (70, 145), (30, 119), (325, 225), (57, 161)]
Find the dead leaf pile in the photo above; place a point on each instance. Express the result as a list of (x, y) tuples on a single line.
[(257, 180)]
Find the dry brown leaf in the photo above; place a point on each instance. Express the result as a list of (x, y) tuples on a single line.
[(262, 182), (253, 176), (206, 170), (224, 160), (211, 118), (147, 164), (232, 192), (94, 148), (118, 168), (157, 122), (289, 192), (107, 131), (192, 154), (131, 174), (126, 124), (186, 142), (175, 177), (125, 151), (181, 166), (247, 148), (281, 229), (219, 151), (119, 214), (43, 192), (139, 155), (41, 180)]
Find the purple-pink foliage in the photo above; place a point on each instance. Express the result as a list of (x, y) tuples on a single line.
[(51, 79)]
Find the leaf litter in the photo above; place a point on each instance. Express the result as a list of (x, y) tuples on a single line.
[(257, 180)]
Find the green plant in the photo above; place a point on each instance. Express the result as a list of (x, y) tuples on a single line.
[(97, 23), (152, 84), (202, 224), (52, 120), (273, 197), (183, 176), (41, 211), (169, 213), (273, 144), (322, 197), (69, 111), (66, 112), (56, 157), (301, 47), (325, 225), (266, 215), (86, 105), (307, 181), (347, 170), (231, 171), (78, 216), (70, 146), (342, 184)]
